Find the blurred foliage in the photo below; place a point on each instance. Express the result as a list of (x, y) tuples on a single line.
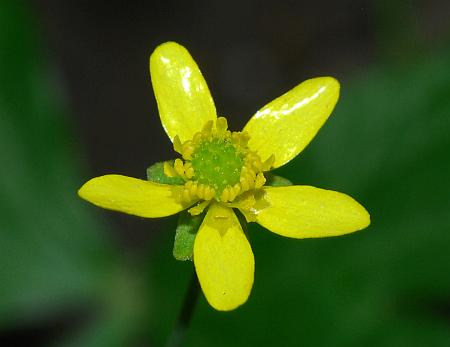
[(54, 257), (386, 145), (49, 245)]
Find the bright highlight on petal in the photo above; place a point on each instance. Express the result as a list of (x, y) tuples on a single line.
[(304, 211), (184, 101), (285, 126), (133, 196), (223, 259)]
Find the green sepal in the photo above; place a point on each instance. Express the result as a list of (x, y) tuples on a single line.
[(155, 173), (183, 247), (276, 181)]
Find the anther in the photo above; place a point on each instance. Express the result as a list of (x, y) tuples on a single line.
[(177, 146), (179, 167), (188, 185), (209, 193), (251, 182), (186, 195), (260, 180), (201, 191), (244, 184), (189, 172), (225, 195), (231, 194), (187, 150), (207, 128), (244, 138), (221, 125), (193, 188), (257, 164), (169, 171), (199, 208), (237, 188), (197, 138)]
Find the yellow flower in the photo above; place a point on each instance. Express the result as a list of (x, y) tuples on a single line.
[(221, 170)]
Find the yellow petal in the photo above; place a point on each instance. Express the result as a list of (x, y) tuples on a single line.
[(304, 211), (133, 196), (223, 259), (285, 126), (184, 101)]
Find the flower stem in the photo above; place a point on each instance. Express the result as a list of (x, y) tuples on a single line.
[(176, 337)]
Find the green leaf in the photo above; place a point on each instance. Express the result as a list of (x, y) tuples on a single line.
[(276, 181), (155, 173), (187, 228)]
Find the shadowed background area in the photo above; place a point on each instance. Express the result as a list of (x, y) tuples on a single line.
[(76, 102)]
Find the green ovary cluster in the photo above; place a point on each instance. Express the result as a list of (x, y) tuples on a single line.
[(217, 163)]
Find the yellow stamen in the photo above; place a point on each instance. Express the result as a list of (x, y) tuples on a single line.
[(186, 195), (193, 189), (197, 138), (189, 171), (237, 189), (209, 193), (177, 145), (179, 167), (169, 171), (187, 150), (260, 180), (225, 195), (221, 125), (244, 184), (207, 128), (199, 208), (201, 191)]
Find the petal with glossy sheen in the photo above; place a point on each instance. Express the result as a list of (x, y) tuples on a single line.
[(305, 211), (133, 196), (184, 101), (223, 259), (285, 126)]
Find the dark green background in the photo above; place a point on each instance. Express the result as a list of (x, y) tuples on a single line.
[(70, 277)]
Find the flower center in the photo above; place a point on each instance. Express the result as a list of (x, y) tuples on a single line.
[(217, 164)]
